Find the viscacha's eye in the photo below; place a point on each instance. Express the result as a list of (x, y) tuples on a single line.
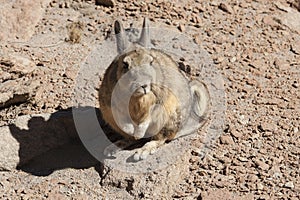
[(125, 65), (126, 62)]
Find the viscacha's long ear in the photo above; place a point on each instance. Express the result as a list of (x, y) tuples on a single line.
[(122, 41), (145, 35)]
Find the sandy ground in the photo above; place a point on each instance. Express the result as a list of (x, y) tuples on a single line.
[(255, 45)]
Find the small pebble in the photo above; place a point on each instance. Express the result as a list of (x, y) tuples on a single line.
[(262, 165), (226, 8), (181, 27), (289, 185)]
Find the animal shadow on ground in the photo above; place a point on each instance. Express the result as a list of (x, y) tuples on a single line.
[(52, 144)]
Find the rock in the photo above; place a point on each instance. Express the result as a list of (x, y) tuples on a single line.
[(271, 21), (281, 64), (267, 133), (19, 64), (15, 92), (4, 98), (184, 67), (266, 126), (71, 73), (16, 88), (219, 60), (289, 185), (9, 99), (155, 177), (226, 139), (5, 75), (197, 39), (236, 134), (233, 59), (259, 186), (243, 159), (296, 47), (19, 18), (108, 3), (291, 19), (181, 27), (258, 64), (262, 165), (9, 156), (282, 7), (226, 8)]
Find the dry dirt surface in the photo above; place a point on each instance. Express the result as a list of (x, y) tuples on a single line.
[(255, 45)]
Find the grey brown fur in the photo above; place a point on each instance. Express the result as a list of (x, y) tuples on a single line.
[(145, 95)]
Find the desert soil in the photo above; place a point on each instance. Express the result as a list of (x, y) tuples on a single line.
[(255, 45)]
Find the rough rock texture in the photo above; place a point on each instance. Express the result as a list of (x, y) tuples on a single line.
[(19, 18), (289, 17), (158, 184), (253, 44), (105, 2), (16, 88), (9, 156)]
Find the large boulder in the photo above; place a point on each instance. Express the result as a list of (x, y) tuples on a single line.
[(19, 18)]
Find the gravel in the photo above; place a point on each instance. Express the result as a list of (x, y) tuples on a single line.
[(254, 45)]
